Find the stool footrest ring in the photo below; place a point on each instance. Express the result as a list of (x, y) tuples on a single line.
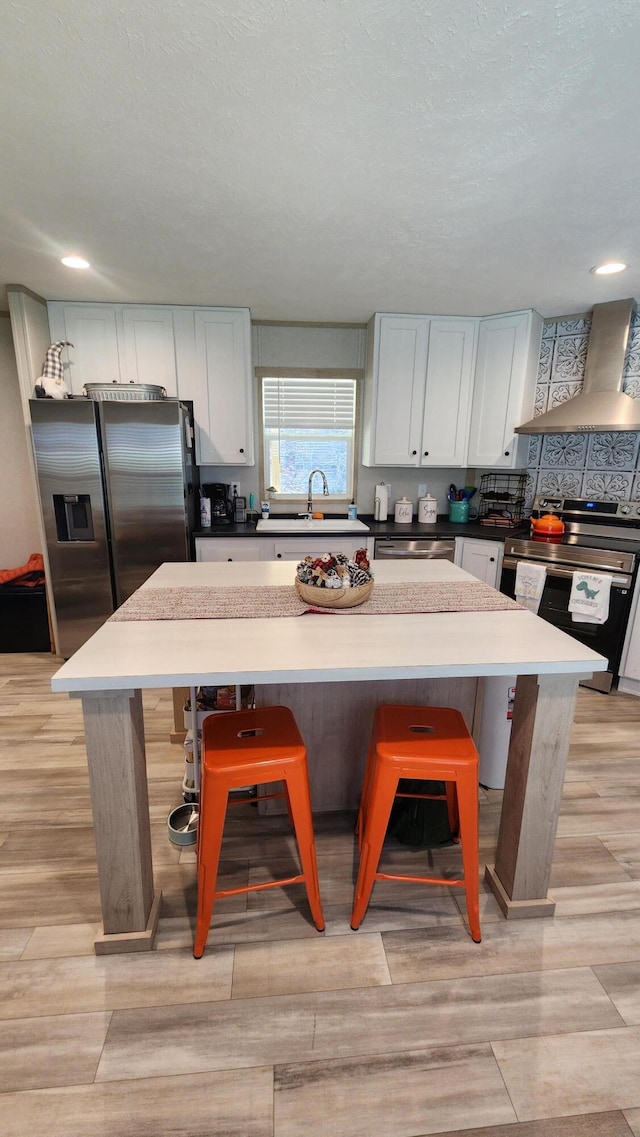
[(258, 887), (419, 879)]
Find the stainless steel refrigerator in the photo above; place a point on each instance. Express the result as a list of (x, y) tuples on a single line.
[(118, 489)]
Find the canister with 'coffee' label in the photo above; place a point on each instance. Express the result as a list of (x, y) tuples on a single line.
[(403, 510)]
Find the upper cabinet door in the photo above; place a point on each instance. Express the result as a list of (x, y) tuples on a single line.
[(147, 346), (91, 328), (394, 390), (505, 378), (223, 389), (448, 391)]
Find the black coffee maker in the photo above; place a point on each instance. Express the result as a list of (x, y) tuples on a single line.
[(221, 502)]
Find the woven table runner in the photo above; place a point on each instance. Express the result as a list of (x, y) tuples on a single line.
[(208, 603)]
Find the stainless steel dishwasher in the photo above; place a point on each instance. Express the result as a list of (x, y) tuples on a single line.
[(414, 549)]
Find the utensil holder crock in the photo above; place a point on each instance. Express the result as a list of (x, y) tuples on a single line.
[(459, 511)]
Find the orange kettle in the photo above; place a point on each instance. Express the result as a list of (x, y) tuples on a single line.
[(547, 526)]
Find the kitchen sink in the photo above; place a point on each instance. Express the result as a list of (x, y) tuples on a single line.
[(302, 525)]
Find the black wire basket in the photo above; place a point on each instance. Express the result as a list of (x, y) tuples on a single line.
[(502, 498)]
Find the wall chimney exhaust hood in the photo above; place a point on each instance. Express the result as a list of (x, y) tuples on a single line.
[(601, 404)]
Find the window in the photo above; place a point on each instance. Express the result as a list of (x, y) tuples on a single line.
[(309, 424)]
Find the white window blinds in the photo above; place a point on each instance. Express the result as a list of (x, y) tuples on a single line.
[(309, 404)]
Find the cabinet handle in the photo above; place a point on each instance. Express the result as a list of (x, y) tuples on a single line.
[(492, 559), (278, 555), (229, 558), (426, 454), (507, 453), (414, 451), (242, 450)]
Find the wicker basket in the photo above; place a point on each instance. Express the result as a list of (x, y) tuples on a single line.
[(334, 597)]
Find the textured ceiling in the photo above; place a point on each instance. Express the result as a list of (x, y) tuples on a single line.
[(322, 159)]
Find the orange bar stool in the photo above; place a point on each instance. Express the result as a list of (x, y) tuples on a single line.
[(241, 748), (428, 744)]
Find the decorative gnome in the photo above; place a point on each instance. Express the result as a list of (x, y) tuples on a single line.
[(51, 384)]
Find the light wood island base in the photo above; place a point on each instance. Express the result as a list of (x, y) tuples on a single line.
[(517, 909), (335, 720), (114, 735), (120, 942), (543, 715)]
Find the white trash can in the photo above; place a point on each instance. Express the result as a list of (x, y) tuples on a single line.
[(495, 729)]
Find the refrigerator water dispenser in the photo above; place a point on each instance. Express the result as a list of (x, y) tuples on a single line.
[(74, 521)]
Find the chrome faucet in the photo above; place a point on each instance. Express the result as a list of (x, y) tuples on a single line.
[(325, 489)]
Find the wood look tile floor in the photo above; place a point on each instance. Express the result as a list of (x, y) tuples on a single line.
[(403, 1029)]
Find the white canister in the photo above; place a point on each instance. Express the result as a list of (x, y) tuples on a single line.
[(427, 510), (404, 510), (380, 502)]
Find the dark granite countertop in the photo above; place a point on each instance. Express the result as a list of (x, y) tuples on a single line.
[(442, 528)]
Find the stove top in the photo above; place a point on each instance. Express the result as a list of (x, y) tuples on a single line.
[(628, 543), (621, 517), (598, 534)]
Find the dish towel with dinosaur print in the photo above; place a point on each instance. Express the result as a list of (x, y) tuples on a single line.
[(589, 597)]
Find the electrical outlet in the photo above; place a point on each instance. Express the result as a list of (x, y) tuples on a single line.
[(422, 489)]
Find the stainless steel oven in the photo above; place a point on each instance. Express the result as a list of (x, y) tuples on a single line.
[(600, 537)]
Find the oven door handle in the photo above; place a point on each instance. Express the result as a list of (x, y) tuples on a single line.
[(619, 581)]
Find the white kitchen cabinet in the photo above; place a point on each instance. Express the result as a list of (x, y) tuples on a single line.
[(147, 351), (296, 548), (394, 390), (213, 348), (481, 558), (91, 328), (629, 680), (200, 354), (447, 400), (418, 390), (230, 549), (503, 390), (115, 342), (279, 548)]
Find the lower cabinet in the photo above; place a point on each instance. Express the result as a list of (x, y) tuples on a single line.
[(294, 549), (233, 549), (280, 549), (629, 680), (481, 558)]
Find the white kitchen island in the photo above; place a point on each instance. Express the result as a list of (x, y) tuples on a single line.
[(332, 670)]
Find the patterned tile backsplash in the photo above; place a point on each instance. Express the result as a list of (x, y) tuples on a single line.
[(604, 466)]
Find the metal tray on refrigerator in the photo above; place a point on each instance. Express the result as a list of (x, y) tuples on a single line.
[(124, 392)]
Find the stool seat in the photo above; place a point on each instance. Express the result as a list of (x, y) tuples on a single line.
[(425, 744), (252, 747)]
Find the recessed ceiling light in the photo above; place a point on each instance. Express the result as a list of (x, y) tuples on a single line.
[(75, 262), (607, 269)]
